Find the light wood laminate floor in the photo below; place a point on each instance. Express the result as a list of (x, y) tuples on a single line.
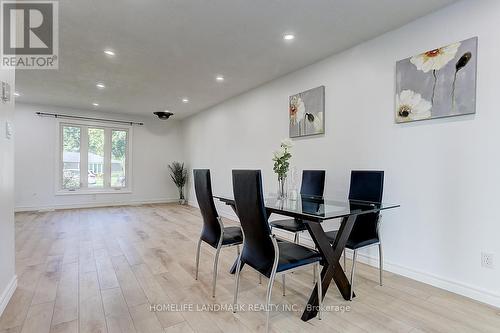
[(98, 270)]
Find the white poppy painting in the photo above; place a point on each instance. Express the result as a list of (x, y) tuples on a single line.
[(307, 112), (437, 83)]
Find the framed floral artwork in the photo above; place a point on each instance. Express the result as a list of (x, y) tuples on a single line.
[(307, 113), (437, 83)]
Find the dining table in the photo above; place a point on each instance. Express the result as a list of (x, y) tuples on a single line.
[(313, 211)]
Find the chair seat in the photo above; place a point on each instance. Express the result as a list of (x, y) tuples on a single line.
[(352, 244), (291, 225), (293, 255), (232, 235)]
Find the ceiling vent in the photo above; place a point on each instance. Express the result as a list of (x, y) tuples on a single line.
[(163, 115)]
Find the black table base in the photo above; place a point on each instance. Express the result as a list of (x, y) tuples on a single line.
[(331, 270)]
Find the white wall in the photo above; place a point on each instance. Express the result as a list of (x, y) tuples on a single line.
[(444, 173), (8, 280), (154, 146)]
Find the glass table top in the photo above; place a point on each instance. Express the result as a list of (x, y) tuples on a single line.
[(317, 208)]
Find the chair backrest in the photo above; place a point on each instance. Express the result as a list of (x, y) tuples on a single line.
[(366, 186), (211, 232), (258, 249), (313, 182)]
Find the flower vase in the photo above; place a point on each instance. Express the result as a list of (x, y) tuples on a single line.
[(282, 188), (292, 184), (182, 199)]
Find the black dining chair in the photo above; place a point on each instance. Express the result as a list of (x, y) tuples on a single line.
[(313, 184), (365, 186), (261, 250), (213, 233)]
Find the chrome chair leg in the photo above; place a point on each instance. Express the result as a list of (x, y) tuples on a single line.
[(238, 250), (215, 271), (344, 262), (268, 297), (314, 273), (283, 284), (320, 289), (236, 284), (381, 261), (352, 273), (296, 238), (260, 278), (197, 259)]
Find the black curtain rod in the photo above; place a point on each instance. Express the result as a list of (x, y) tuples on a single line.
[(65, 116)]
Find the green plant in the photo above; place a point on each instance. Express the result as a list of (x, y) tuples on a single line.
[(179, 176), (281, 159)]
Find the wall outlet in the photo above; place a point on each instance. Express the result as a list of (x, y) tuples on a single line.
[(487, 260)]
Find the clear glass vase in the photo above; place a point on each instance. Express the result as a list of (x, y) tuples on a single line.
[(282, 187), (182, 199)]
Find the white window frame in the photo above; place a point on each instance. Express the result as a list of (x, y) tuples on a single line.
[(108, 128)]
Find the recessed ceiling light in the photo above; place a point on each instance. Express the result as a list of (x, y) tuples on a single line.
[(288, 36), (100, 85), (185, 100), (109, 52), (17, 94), (219, 78), (95, 104)]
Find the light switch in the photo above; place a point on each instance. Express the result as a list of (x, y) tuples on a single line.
[(8, 130), (5, 92)]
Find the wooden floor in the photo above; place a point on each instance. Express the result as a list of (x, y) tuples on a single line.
[(98, 270)]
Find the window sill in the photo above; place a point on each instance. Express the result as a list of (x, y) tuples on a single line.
[(90, 192)]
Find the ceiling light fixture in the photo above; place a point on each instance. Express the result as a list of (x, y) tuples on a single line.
[(109, 52), (17, 94), (288, 36), (95, 104), (185, 100), (219, 78), (163, 115), (100, 85)]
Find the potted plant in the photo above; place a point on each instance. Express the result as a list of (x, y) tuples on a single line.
[(179, 176), (281, 165)]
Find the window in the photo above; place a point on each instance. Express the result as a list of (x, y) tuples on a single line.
[(71, 157), (96, 158), (118, 158), (93, 158)]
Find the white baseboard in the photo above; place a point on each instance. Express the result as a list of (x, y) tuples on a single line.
[(92, 205), (7, 294), (223, 209), (478, 294)]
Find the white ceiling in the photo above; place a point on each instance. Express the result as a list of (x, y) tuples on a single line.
[(170, 49)]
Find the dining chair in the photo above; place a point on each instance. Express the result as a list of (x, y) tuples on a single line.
[(365, 186), (213, 233), (261, 251), (313, 184)]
